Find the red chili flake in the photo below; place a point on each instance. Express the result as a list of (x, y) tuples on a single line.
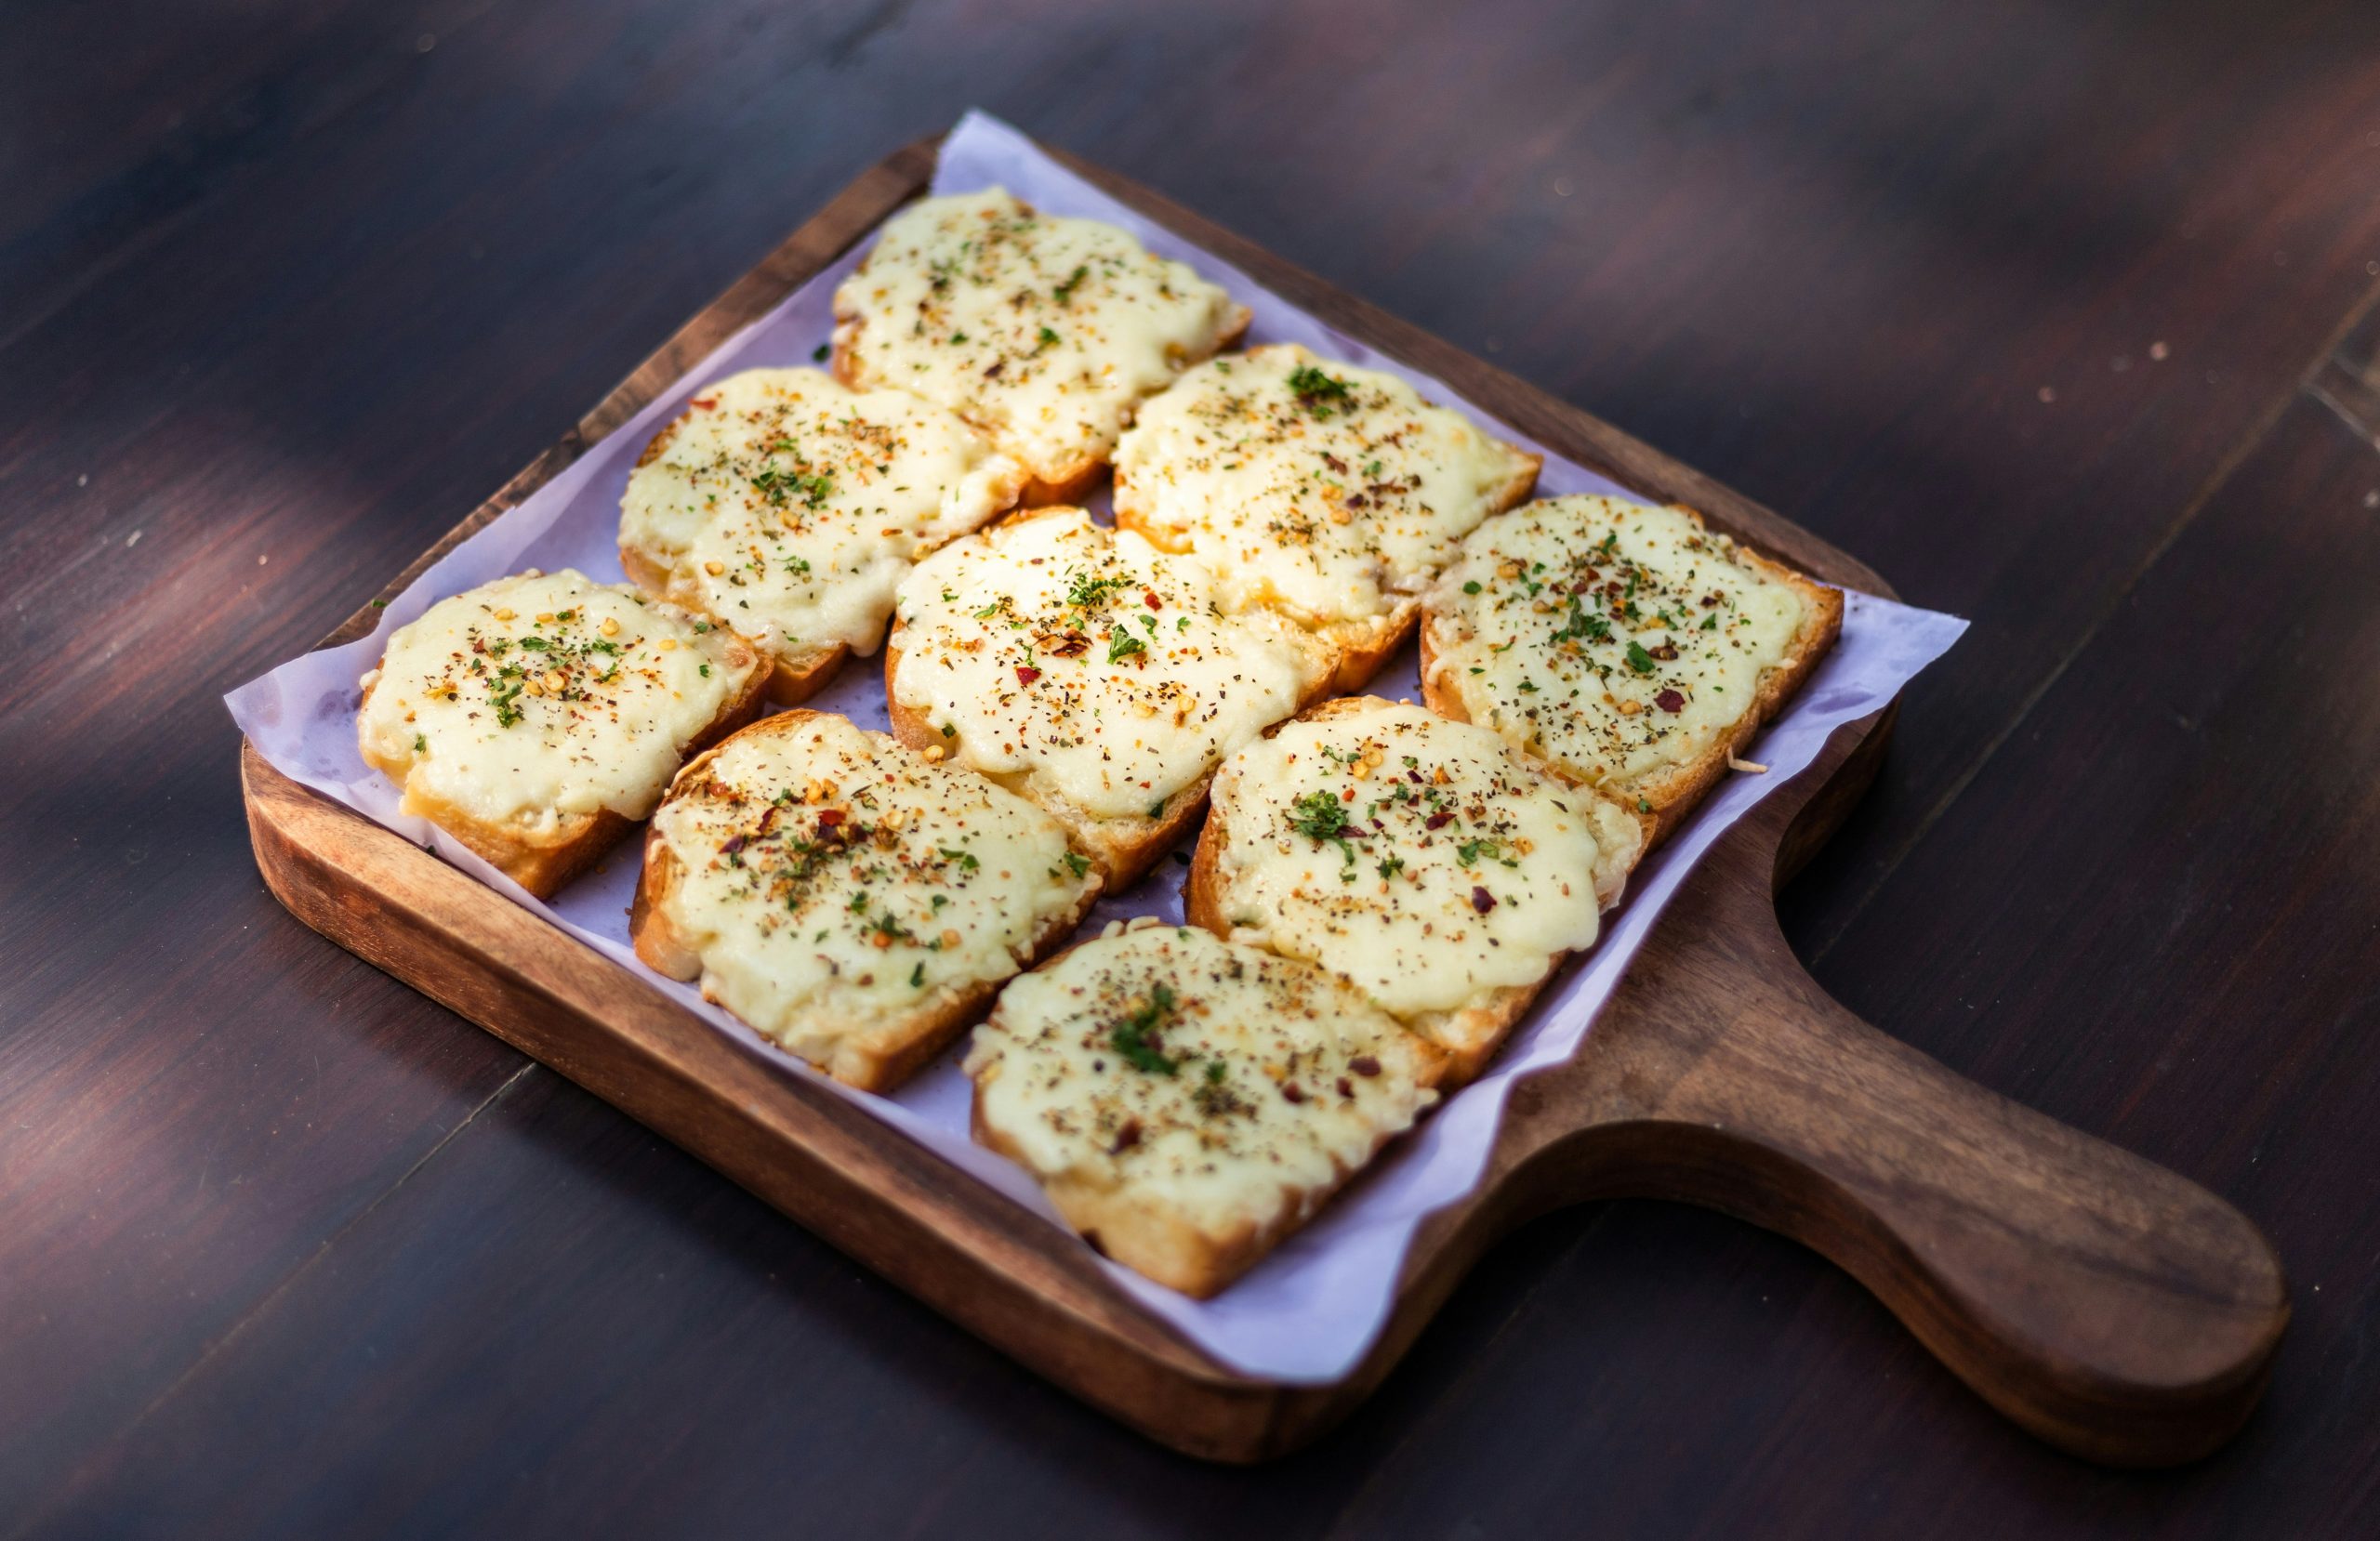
[(1670, 700), (1334, 463), (1364, 1065), (1150, 600), (1025, 675), (1355, 500), (705, 402), (1290, 1092), (1438, 820), (1666, 653), (1347, 1087), (1126, 1138), (733, 845), (830, 818), (997, 365), (1482, 901)]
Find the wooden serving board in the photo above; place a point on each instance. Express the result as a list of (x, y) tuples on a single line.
[(2106, 1304)]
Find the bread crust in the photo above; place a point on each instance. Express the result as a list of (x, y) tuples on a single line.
[(889, 1052), (1674, 794), (544, 863), (1156, 1243)]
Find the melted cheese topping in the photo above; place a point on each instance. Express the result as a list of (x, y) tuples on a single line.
[(1419, 857), (1043, 331), (1089, 659), (1617, 639), (1326, 489), (791, 507), (1208, 1078), (830, 880), (542, 697)]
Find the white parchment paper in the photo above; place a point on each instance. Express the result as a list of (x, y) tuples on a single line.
[(1309, 1312)]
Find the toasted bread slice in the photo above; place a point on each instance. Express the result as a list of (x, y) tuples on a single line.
[(536, 718), (1085, 669), (1329, 493), (789, 506), (1044, 332), (1442, 872), (1625, 644), (853, 901), (1186, 1102)]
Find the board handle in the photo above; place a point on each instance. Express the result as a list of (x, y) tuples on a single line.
[(2115, 1308)]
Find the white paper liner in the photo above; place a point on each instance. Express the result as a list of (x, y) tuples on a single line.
[(1308, 1312)]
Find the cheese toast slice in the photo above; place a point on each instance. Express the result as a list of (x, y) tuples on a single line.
[(1442, 872), (1091, 671), (1329, 493), (1626, 644), (536, 718), (1186, 1101), (853, 901), (788, 506), (1044, 332)]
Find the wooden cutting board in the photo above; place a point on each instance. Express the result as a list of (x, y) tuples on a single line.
[(2106, 1304)]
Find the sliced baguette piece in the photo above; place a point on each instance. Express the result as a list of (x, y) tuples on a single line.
[(1440, 872), (789, 506), (1083, 668), (538, 717), (1626, 644), (1329, 493), (851, 901), (1043, 331), (1186, 1102)]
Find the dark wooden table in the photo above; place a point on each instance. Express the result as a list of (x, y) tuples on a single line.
[(2055, 314)]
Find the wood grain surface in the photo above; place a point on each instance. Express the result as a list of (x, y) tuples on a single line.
[(2050, 312)]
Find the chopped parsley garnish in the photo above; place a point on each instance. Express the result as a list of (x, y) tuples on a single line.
[(1066, 292), (818, 354), (1471, 587), (918, 976), (1638, 659), (1213, 1093), (966, 858), (1582, 625), (1077, 864), (1391, 867), (1321, 818), (1046, 339), (1123, 645), (1319, 392), (1088, 589), (780, 487), (1134, 1038)]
